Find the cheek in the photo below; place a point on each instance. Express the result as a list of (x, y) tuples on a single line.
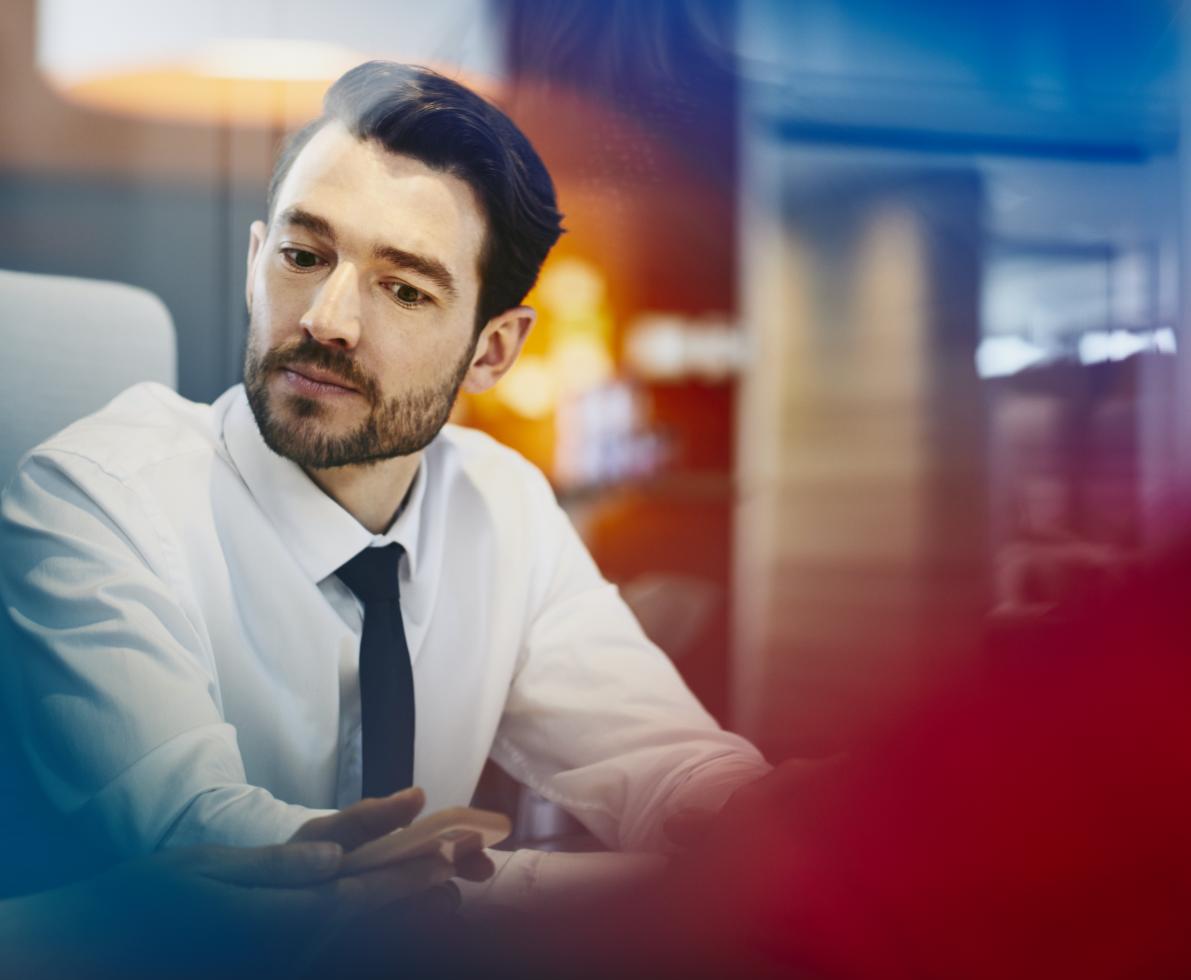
[(404, 361), (260, 325), (275, 312)]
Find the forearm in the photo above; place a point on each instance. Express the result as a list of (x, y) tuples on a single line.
[(190, 790), (238, 816), (626, 798), (707, 786)]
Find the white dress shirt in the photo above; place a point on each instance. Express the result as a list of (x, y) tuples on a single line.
[(187, 664)]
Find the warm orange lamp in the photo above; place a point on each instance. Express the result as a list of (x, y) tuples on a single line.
[(257, 63)]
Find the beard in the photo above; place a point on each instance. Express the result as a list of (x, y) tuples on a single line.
[(396, 426)]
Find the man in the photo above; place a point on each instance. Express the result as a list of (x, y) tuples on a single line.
[(237, 619)]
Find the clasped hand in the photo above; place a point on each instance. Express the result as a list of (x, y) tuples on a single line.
[(211, 910)]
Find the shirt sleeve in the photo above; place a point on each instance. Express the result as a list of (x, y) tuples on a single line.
[(599, 721), (110, 685)]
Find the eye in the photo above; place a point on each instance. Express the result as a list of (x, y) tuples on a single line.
[(407, 295), (300, 258)]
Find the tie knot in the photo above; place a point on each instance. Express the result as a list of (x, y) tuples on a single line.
[(372, 574)]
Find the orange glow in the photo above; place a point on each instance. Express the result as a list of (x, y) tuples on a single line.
[(570, 351), (182, 94), (179, 95)]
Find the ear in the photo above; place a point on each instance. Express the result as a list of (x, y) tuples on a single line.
[(500, 342), (256, 238)]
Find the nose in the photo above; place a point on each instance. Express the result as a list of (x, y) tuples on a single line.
[(334, 316)]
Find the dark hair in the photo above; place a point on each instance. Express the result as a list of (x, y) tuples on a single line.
[(418, 113)]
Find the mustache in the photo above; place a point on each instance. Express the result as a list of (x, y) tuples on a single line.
[(310, 353)]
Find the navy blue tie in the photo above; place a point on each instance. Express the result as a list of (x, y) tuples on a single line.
[(386, 675)]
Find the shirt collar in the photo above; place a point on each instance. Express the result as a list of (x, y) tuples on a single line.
[(321, 535)]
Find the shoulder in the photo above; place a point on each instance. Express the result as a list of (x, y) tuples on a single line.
[(145, 426), (501, 512), (478, 459), (479, 483)]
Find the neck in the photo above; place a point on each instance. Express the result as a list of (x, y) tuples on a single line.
[(371, 492)]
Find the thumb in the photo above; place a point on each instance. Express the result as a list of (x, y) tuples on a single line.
[(364, 821), (279, 866)]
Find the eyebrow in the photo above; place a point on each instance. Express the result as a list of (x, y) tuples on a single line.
[(423, 265)]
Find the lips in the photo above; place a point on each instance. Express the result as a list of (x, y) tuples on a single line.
[(319, 376)]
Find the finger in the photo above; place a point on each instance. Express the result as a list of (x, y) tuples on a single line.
[(286, 921), (366, 820), (375, 889), (476, 866), (280, 866), (434, 904)]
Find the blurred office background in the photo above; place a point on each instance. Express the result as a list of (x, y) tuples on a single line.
[(860, 347)]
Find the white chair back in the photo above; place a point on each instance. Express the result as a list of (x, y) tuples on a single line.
[(70, 346)]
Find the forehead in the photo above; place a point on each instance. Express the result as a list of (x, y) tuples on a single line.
[(371, 196)]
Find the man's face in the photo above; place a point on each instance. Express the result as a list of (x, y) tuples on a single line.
[(362, 295)]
